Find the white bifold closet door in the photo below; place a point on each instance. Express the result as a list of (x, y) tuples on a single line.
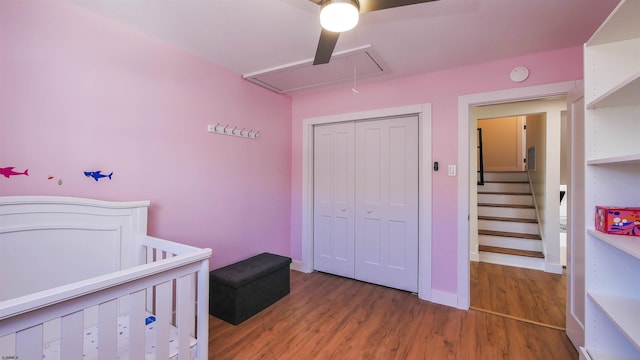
[(366, 201), (333, 199)]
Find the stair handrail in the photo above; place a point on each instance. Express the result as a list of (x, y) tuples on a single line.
[(480, 157)]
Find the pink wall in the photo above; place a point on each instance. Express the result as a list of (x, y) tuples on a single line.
[(80, 92), (442, 90)]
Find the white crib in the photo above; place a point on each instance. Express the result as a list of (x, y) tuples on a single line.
[(81, 279)]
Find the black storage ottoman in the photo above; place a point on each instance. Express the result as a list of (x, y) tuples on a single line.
[(241, 290)]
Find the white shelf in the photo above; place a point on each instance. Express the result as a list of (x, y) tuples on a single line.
[(623, 312), (622, 24), (625, 243), (612, 119), (626, 159), (624, 93), (602, 355)]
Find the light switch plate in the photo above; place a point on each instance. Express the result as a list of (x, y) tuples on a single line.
[(451, 171)]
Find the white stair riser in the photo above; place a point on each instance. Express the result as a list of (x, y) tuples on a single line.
[(509, 226), (504, 187), (506, 176), (506, 212), (510, 242), (512, 260), (505, 199)]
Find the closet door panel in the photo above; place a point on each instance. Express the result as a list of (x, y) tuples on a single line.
[(397, 167), (398, 250), (333, 199), (387, 195), (370, 237), (370, 248), (403, 199), (369, 161), (322, 196)]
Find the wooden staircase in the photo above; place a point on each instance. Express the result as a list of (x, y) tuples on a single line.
[(508, 231)]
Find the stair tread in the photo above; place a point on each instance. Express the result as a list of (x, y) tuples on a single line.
[(508, 205), (506, 182), (500, 250), (503, 193), (498, 218), (510, 234)]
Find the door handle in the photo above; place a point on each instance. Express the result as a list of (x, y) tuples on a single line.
[(368, 211)]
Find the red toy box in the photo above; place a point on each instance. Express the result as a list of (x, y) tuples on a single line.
[(618, 221)]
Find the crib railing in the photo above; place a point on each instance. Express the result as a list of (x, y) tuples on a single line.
[(173, 284)]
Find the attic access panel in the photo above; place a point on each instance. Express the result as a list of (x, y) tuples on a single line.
[(303, 75)]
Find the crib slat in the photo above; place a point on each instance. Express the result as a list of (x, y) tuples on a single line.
[(107, 330), (137, 316), (29, 343), (193, 299), (185, 314), (150, 259), (202, 310), (163, 299), (71, 335)]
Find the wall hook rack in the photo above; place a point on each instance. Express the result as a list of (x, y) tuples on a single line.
[(234, 131)]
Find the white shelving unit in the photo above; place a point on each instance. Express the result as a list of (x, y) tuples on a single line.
[(612, 140)]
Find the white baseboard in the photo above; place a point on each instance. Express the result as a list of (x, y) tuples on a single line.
[(474, 256), (435, 296), (444, 298), (553, 268), (298, 266)]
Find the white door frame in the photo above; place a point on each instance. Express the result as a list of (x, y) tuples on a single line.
[(464, 104), (424, 187)]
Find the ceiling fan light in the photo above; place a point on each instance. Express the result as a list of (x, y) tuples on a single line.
[(339, 15)]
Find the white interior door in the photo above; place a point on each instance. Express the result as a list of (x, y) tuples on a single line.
[(333, 206), (386, 202), (576, 290)]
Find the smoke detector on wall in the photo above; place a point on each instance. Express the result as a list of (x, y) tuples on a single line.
[(519, 74)]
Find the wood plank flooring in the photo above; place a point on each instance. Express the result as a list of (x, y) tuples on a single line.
[(523, 293), (329, 317)]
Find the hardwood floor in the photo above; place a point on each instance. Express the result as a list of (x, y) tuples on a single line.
[(329, 317), (522, 293)]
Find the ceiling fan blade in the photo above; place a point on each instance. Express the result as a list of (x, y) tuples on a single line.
[(326, 44), (373, 5)]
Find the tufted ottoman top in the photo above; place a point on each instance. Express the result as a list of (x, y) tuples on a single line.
[(246, 271)]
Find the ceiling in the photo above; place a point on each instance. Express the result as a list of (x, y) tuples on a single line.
[(250, 36)]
